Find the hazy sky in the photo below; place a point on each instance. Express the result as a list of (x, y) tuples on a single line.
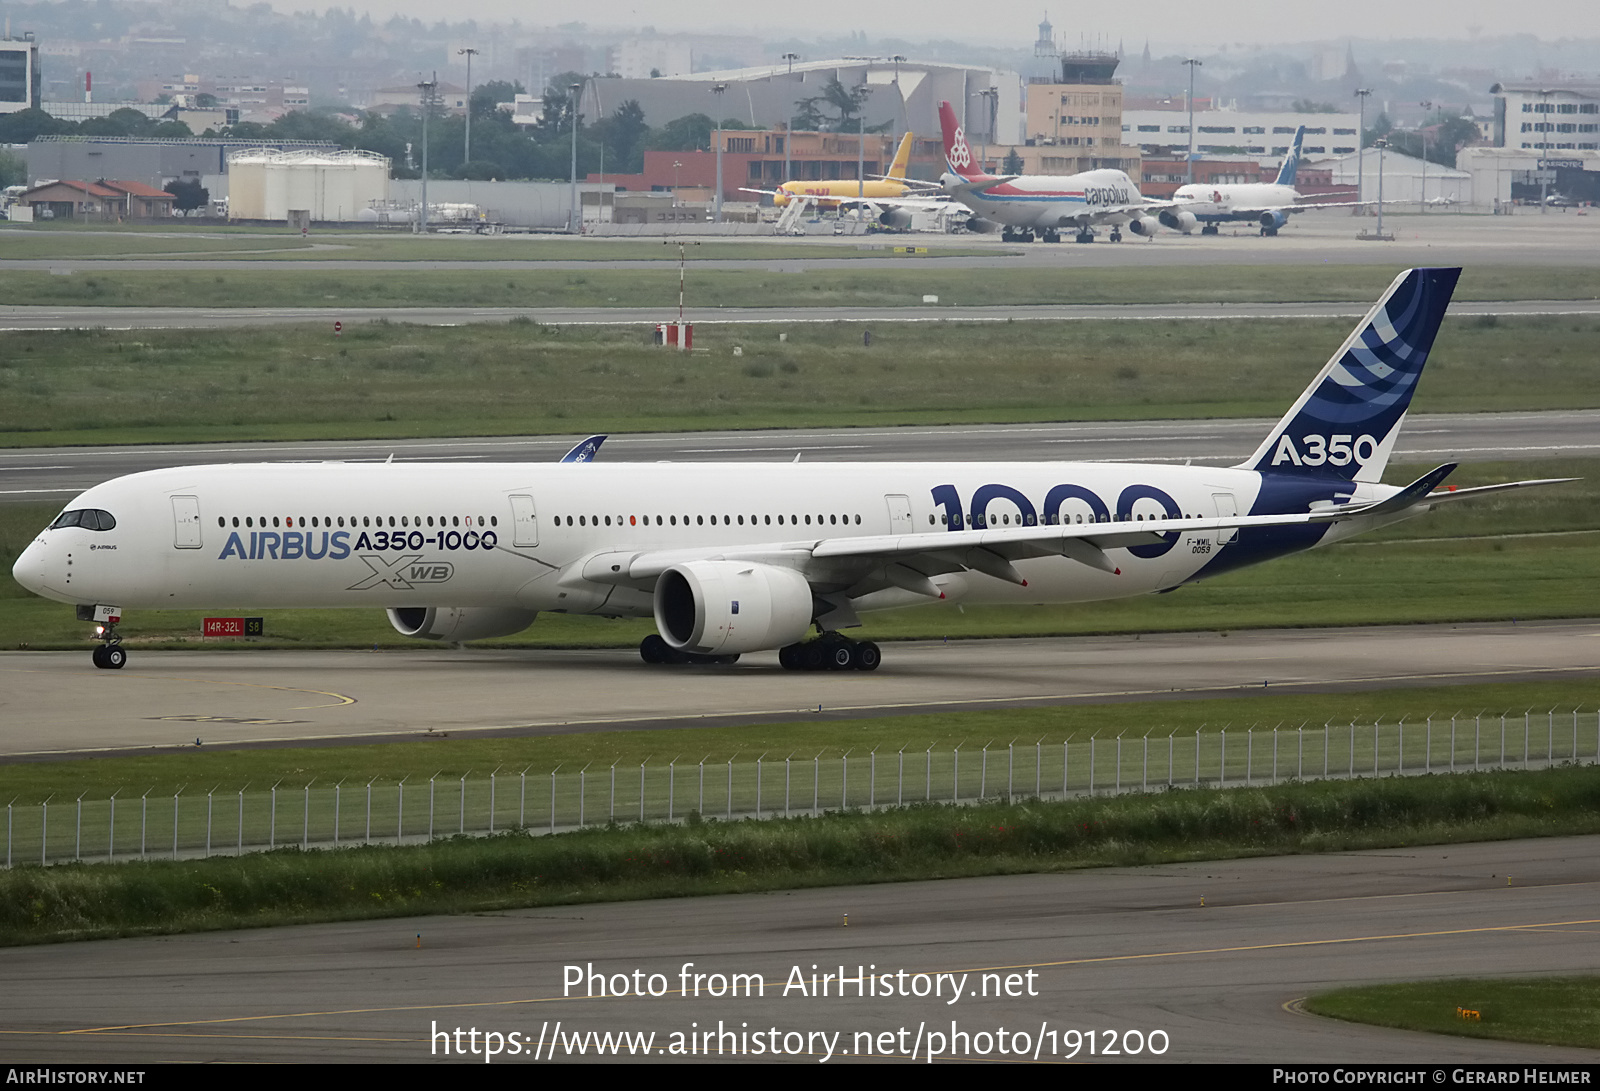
[(1170, 25)]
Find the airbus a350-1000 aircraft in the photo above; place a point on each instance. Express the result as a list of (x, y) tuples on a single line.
[(744, 557)]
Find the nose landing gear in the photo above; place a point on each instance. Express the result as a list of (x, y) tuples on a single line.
[(108, 655)]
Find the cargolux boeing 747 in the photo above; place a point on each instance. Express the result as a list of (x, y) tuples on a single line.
[(746, 557)]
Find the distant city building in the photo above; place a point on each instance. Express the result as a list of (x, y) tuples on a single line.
[(1223, 132), (646, 58), (902, 95), (109, 201), (450, 98), (150, 161), (21, 82), (1561, 115), (1078, 106)]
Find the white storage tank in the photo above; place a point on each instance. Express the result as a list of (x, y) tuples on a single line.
[(264, 184)]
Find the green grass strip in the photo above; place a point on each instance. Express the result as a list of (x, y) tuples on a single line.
[(1557, 1011), (74, 902)]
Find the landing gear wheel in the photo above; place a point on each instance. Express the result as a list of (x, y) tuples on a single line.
[(1084, 236), (653, 649), (841, 657), (867, 656), (109, 657), (1210, 229), (1116, 236), (789, 657)]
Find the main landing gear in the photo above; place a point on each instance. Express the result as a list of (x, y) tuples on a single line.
[(1084, 235), (653, 649), (831, 652)]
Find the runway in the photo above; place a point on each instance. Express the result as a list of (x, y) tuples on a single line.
[(230, 698), (1206, 959), (142, 318), (48, 473)]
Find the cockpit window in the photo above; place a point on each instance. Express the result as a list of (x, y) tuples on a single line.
[(87, 518)]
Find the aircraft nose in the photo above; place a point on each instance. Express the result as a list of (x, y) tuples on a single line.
[(29, 571)]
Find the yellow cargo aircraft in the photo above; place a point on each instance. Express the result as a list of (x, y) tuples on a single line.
[(829, 194)]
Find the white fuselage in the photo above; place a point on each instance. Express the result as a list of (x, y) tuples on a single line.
[(519, 535), (1233, 201), (1051, 202)]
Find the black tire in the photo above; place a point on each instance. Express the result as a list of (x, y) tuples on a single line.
[(841, 657), (654, 650), (115, 657), (868, 657), (812, 656), (98, 656), (789, 657)]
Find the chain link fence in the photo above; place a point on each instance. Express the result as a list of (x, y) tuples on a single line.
[(187, 824)]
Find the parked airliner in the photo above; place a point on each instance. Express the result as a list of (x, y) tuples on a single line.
[(1024, 206), (744, 557), (1268, 204)]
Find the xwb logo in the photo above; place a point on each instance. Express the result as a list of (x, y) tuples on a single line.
[(402, 573)]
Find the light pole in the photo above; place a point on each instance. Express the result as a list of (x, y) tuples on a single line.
[(675, 165), (1544, 145), (1381, 143), (788, 122), (992, 94), (574, 215), (717, 89), (469, 53), (861, 158), (425, 90), (1361, 145), (1422, 206), (1193, 64), (900, 95)]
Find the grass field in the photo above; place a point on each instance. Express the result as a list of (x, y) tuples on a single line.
[(80, 901), (233, 768), (392, 380), (1562, 1011), (52, 244), (763, 286)]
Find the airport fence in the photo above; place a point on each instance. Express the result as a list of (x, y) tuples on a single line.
[(186, 824)]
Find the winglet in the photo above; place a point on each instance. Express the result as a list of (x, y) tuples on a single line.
[(585, 451)]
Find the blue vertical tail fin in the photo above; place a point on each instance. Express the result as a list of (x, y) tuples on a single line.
[(1291, 162), (1345, 423)]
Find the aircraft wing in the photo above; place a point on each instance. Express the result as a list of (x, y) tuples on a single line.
[(863, 564)]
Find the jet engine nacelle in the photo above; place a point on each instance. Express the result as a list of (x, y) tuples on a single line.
[(1274, 220), (727, 607), (458, 624), (1179, 220), (1144, 225), (896, 219), (980, 226)]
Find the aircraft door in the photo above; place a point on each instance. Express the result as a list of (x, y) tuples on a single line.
[(524, 521), (1227, 508), (186, 522), (899, 514)]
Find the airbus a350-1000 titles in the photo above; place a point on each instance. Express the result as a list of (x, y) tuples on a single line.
[(745, 557)]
